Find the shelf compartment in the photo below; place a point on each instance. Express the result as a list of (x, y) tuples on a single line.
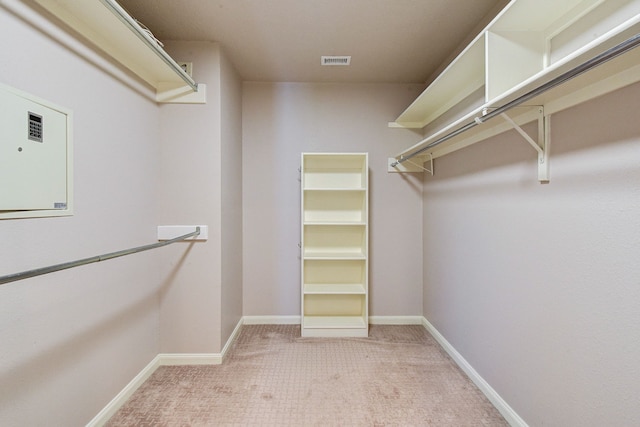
[(525, 39), (335, 305), (579, 30), (334, 171), (325, 272), (533, 35), (512, 57), (339, 241), (334, 276), (334, 315), (464, 76), (334, 206), (518, 41), (339, 326), (536, 15), (528, 45)]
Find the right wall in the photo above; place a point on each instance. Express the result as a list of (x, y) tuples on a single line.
[(537, 286)]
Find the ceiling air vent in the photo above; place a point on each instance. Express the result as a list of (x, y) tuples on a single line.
[(335, 60)]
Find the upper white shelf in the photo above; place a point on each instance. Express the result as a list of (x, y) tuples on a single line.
[(530, 43), (110, 28)]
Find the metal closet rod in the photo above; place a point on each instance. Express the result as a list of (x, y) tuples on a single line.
[(603, 57), (45, 270)]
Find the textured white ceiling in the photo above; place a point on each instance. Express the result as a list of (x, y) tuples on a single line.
[(390, 41)]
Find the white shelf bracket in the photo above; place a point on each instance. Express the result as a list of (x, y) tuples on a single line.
[(541, 145), (409, 166)]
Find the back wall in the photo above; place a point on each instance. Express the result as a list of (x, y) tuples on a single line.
[(282, 120)]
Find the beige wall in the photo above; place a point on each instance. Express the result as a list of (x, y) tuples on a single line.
[(231, 168), (71, 340), (282, 120), (202, 183), (537, 286), (191, 183)]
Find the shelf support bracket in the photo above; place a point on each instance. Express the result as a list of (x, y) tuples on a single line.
[(541, 145), (409, 166)]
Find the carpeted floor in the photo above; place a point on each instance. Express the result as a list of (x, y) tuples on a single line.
[(398, 376)]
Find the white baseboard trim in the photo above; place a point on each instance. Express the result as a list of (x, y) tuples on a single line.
[(178, 359), (395, 320), (295, 320), (503, 407), (271, 320), (232, 338), (162, 359), (112, 407)]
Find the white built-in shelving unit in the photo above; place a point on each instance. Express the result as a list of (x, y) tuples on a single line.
[(334, 244), (110, 28), (529, 44)]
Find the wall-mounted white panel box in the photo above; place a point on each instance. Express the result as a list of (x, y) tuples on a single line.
[(35, 157)]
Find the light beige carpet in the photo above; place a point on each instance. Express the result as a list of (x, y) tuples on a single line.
[(398, 376)]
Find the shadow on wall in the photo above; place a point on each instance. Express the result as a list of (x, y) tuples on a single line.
[(33, 14), (171, 277), (596, 123), (507, 148), (58, 360)]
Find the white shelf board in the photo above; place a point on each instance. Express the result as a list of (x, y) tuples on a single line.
[(534, 15), (334, 322), (335, 223), (309, 188), (459, 80), (328, 189), (612, 75), (94, 20), (332, 289), (334, 256), (544, 19)]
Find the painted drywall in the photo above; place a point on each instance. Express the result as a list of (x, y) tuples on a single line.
[(231, 170), (537, 285), (71, 340), (201, 178), (280, 121), (191, 183)]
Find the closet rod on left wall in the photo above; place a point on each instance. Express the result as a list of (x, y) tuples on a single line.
[(45, 270)]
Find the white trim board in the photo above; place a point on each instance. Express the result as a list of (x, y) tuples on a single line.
[(271, 320), (178, 359), (501, 405), (395, 320), (232, 338), (295, 320), (121, 398)]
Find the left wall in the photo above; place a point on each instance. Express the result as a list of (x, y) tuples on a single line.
[(71, 340)]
